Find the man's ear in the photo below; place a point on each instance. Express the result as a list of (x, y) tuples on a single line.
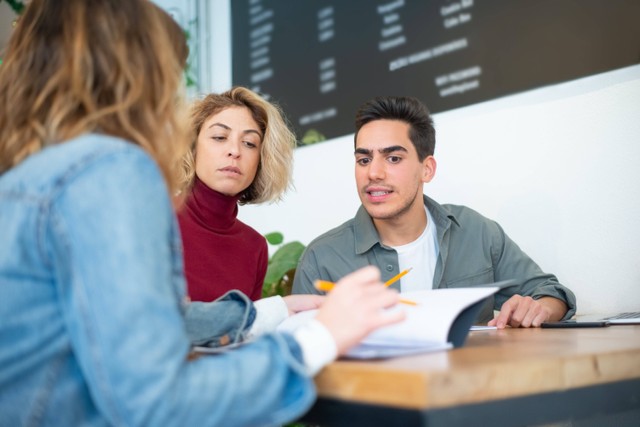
[(429, 166)]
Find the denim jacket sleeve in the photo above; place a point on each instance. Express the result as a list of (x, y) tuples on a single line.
[(111, 235), (224, 321)]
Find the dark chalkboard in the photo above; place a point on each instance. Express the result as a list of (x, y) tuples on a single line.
[(321, 59)]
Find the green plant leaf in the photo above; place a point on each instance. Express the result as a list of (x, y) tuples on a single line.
[(276, 271), (274, 238), (284, 259), (282, 265), (17, 6), (288, 253)]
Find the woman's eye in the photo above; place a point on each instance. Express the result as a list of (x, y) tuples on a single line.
[(218, 138), (250, 144)]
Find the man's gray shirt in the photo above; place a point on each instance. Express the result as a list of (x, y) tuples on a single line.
[(474, 251)]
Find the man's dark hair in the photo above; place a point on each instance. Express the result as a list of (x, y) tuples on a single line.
[(404, 108)]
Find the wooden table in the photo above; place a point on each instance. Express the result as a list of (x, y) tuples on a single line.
[(499, 377)]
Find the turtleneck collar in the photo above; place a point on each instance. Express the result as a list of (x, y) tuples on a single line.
[(213, 210)]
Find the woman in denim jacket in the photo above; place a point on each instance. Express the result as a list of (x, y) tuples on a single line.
[(92, 307)]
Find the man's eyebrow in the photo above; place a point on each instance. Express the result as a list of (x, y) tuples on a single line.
[(391, 149), (362, 151), (385, 150)]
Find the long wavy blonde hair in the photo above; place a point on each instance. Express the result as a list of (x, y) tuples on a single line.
[(107, 66), (276, 156)]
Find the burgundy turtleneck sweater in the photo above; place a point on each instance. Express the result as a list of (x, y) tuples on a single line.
[(220, 252)]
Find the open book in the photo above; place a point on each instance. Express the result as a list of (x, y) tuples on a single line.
[(441, 320)]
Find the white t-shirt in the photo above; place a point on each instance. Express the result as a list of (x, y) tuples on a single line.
[(421, 256)]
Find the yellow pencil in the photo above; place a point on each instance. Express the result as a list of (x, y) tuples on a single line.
[(407, 301), (326, 286), (397, 277)]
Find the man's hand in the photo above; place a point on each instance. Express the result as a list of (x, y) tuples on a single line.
[(525, 312)]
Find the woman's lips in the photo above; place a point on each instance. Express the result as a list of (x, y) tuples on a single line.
[(231, 169)]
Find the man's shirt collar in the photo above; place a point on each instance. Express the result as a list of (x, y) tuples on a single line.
[(366, 235)]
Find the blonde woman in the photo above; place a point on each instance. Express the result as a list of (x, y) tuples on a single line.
[(241, 153), (92, 306)]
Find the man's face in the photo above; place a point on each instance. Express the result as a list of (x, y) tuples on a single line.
[(389, 175)]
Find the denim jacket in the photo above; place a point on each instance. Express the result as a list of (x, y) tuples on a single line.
[(92, 328)]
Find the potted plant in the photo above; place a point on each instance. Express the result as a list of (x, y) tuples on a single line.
[(282, 265)]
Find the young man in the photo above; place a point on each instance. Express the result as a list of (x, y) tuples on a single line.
[(398, 227)]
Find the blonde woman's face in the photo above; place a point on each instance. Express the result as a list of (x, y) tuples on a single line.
[(228, 151)]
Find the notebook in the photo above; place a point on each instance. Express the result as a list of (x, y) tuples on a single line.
[(626, 318), (440, 320)]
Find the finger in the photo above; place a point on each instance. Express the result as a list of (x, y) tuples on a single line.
[(389, 299), (541, 317), (316, 300), (366, 274), (387, 317), (503, 318), (310, 302), (536, 322), (378, 290), (523, 313), (297, 303), (532, 313), (393, 299)]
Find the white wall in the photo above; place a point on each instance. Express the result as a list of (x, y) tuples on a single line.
[(6, 25), (557, 167)]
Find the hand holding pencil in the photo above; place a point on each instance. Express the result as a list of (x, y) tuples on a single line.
[(355, 308), (326, 286)]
